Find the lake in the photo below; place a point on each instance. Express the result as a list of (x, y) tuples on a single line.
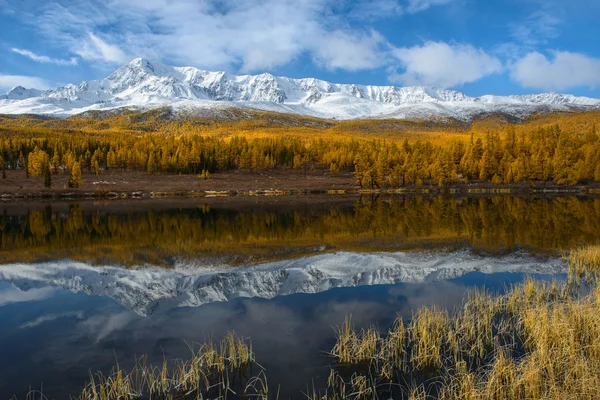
[(86, 285)]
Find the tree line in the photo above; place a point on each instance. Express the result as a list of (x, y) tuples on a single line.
[(500, 155)]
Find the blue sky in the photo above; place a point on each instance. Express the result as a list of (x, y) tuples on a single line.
[(476, 46)]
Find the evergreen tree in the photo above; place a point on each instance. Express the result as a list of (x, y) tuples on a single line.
[(486, 168), (75, 180), (477, 150), (21, 161), (564, 160), (95, 165), (55, 162), (47, 176)]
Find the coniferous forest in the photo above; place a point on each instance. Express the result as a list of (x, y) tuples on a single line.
[(563, 149)]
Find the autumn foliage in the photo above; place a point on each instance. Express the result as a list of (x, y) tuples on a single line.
[(559, 148)]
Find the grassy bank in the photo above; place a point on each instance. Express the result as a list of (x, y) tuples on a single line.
[(537, 340)]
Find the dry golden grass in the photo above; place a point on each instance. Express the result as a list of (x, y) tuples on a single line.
[(355, 347), (539, 340), (584, 263), (214, 371)]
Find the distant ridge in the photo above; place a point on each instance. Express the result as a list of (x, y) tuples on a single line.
[(142, 84)]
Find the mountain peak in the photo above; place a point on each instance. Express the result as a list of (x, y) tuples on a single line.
[(142, 64), (21, 93), (17, 89), (137, 71), (142, 83)]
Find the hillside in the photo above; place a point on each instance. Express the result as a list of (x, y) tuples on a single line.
[(256, 151)]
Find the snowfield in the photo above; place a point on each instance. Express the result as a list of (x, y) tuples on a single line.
[(142, 85), (146, 290)]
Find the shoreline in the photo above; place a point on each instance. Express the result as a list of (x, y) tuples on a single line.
[(118, 185), (74, 194)]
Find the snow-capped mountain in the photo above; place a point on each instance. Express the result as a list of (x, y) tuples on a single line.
[(146, 290), (20, 93), (144, 84)]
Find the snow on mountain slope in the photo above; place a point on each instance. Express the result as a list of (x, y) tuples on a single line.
[(144, 84), (146, 290), (20, 93)]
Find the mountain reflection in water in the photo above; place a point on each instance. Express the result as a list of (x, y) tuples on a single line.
[(146, 290), (55, 337), (86, 283)]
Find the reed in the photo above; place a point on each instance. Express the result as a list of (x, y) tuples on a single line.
[(538, 340), (356, 347), (358, 387), (214, 371), (584, 263)]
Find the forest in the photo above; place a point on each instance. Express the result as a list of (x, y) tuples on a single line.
[(560, 148)]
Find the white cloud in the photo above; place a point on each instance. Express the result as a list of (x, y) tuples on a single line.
[(13, 295), (8, 82), (444, 65), (44, 59), (380, 9), (5, 8), (564, 70), (104, 325), (96, 49), (251, 35), (376, 9), (422, 5), (51, 317), (539, 26), (343, 50)]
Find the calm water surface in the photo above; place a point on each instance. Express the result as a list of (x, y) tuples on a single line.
[(83, 285)]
